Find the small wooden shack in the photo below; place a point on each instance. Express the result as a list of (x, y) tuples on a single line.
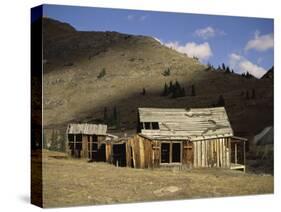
[(199, 137), (89, 141)]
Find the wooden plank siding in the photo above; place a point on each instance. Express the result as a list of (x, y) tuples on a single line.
[(212, 153), (204, 153)]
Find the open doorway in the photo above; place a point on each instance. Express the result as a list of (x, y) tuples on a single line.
[(101, 153), (119, 154)]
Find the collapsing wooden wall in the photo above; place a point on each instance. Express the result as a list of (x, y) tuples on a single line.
[(141, 152), (212, 153)]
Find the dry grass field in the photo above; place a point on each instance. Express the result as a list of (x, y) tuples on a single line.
[(69, 182)]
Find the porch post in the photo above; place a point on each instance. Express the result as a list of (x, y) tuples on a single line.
[(244, 151), (235, 153)]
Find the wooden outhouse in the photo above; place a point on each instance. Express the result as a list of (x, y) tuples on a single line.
[(89, 141), (197, 137)]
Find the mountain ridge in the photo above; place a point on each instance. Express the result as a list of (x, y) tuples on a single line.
[(74, 92)]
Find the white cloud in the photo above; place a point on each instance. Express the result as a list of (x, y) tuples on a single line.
[(202, 51), (143, 17), (137, 17), (241, 65), (260, 42), (130, 17), (208, 32)]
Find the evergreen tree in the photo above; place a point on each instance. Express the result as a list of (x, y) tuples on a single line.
[(115, 115), (193, 90), (143, 91), (247, 95), (54, 143), (105, 117), (227, 70), (171, 87), (253, 94), (166, 90), (167, 72), (183, 92), (223, 66)]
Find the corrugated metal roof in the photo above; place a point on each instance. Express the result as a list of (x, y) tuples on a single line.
[(88, 129), (192, 124)]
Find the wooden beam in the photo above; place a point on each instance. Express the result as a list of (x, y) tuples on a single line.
[(244, 151), (218, 152), (91, 147), (221, 152), (203, 153), (195, 154), (235, 153)]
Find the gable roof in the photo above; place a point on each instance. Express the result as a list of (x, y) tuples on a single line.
[(88, 129), (190, 124)]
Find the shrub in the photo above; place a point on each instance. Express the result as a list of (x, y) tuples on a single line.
[(102, 73), (167, 72), (193, 90), (143, 92)]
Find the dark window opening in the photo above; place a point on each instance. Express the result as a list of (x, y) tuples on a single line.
[(155, 125), (176, 152), (165, 153), (78, 146), (78, 137), (95, 138), (141, 125), (70, 137), (147, 125)]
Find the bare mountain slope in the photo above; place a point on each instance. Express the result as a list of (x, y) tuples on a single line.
[(87, 71)]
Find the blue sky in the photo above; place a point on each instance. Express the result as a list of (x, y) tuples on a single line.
[(245, 44)]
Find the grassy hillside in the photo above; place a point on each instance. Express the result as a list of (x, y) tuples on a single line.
[(87, 71)]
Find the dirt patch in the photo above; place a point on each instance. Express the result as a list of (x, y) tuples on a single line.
[(69, 182)]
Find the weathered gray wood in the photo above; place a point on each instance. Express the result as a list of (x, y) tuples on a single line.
[(220, 147), (199, 154), (203, 153), (191, 123), (244, 152), (142, 157), (195, 154), (218, 153), (235, 153), (223, 153), (228, 153), (87, 129)]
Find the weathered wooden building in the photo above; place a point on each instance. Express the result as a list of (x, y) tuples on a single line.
[(200, 137), (89, 141)]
